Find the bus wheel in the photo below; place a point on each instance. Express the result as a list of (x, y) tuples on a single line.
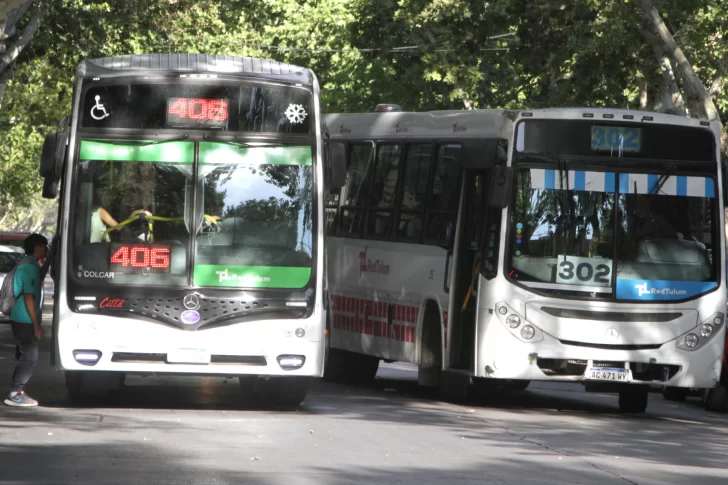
[(675, 393), (455, 386), (633, 398), (85, 388), (515, 384), (350, 368), (716, 399), (275, 391)]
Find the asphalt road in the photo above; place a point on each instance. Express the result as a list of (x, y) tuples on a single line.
[(197, 431)]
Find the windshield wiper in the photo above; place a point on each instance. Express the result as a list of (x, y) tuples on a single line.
[(147, 143), (666, 174)]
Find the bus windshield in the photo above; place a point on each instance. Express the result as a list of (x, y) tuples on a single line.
[(250, 212), (629, 236), (258, 225)]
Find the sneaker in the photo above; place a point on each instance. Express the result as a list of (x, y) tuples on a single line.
[(20, 399)]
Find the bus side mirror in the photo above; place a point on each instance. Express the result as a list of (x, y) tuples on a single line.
[(48, 156), (53, 156), (501, 183), (337, 164)]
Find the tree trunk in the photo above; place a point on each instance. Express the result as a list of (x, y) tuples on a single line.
[(694, 88), (670, 99), (10, 13)]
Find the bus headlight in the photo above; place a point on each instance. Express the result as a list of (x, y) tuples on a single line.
[(528, 332), (691, 340), (700, 335), (516, 324)]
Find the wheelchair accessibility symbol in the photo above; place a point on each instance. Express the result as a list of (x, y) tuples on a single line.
[(98, 112)]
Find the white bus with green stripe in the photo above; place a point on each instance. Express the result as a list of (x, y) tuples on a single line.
[(593, 252), (210, 168)]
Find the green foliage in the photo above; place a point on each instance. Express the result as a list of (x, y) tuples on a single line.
[(421, 54)]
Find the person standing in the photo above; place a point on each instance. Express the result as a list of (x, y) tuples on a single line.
[(25, 318)]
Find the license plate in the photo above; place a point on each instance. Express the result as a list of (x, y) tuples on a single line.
[(608, 374), (188, 356)]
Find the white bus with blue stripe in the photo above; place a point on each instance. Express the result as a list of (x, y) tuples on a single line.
[(611, 255), (582, 245)]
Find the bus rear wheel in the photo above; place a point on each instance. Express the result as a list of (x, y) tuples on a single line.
[(675, 393), (633, 398), (350, 368), (275, 391)]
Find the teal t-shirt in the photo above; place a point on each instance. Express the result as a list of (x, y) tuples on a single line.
[(27, 280)]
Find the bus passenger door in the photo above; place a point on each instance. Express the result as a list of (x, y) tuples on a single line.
[(466, 257)]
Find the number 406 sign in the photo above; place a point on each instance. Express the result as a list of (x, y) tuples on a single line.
[(573, 270)]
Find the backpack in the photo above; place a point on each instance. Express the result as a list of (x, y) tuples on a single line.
[(7, 291)]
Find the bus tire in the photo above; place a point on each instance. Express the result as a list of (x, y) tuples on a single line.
[(350, 368), (455, 386), (86, 388), (515, 384), (716, 399), (677, 394), (633, 398), (275, 391), (430, 367)]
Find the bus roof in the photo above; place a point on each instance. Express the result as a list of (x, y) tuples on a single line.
[(486, 123), (136, 64), (616, 115)]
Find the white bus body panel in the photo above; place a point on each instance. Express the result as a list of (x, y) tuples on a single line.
[(366, 277), (262, 338), (502, 353)]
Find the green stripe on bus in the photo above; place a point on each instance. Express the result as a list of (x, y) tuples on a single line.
[(226, 153), (170, 152), (251, 276)]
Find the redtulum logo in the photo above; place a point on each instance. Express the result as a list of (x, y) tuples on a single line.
[(369, 266), (400, 129), (112, 303), (344, 129), (458, 128)]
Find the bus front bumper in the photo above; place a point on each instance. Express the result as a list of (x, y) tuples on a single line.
[(268, 347), (503, 354)]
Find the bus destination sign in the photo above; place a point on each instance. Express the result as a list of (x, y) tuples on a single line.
[(211, 113)]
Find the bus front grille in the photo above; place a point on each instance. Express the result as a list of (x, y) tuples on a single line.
[(157, 358)]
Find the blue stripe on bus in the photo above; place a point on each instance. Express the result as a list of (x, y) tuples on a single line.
[(652, 183), (709, 188), (549, 179), (624, 183), (609, 182), (681, 186), (579, 180)]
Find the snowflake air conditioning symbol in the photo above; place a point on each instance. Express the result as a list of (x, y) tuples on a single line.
[(296, 114)]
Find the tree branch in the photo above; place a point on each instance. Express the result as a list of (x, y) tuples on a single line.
[(693, 85), (22, 41), (670, 95), (11, 12)]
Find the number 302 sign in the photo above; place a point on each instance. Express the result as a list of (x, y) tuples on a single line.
[(572, 270)]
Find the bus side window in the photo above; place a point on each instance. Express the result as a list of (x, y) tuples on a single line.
[(443, 205), (418, 164), (383, 192), (354, 194), (333, 198)]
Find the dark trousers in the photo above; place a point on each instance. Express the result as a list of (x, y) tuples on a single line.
[(26, 353)]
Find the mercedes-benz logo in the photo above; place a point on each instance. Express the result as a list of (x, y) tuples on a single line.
[(612, 333), (191, 302)]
